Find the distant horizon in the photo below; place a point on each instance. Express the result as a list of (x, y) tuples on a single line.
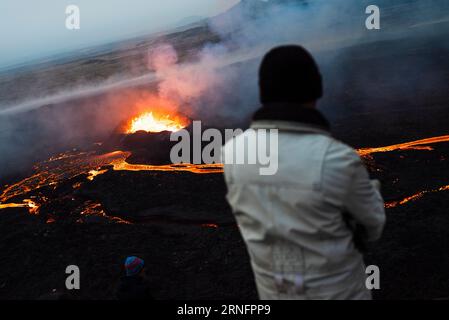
[(60, 54), (30, 45)]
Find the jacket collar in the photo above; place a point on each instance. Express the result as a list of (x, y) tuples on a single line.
[(290, 117)]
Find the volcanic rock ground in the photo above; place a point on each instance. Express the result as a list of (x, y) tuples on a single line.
[(183, 228)]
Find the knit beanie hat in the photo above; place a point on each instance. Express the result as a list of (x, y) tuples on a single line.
[(133, 265), (289, 74)]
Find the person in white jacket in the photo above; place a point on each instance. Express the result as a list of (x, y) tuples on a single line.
[(298, 224)]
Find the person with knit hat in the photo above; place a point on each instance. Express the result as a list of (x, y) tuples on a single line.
[(133, 285), (299, 223)]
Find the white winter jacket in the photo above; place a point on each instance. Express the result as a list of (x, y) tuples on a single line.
[(292, 222)]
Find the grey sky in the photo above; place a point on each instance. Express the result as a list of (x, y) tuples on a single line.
[(32, 29)]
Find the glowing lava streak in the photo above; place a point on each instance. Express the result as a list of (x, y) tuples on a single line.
[(94, 173), (69, 165), (415, 145), (414, 197), (33, 208), (421, 144), (118, 162), (151, 123)]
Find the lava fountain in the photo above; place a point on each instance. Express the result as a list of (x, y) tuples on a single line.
[(152, 122)]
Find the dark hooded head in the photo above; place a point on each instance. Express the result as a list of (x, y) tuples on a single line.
[(289, 74)]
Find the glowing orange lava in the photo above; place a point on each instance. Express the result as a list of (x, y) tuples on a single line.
[(65, 166), (416, 196), (32, 206), (411, 145), (94, 173), (151, 122), (117, 160)]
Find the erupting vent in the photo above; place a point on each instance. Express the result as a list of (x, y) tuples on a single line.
[(150, 122)]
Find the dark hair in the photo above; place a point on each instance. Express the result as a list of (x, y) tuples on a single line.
[(289, 74)]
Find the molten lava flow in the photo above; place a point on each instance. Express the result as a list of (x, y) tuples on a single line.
[(49, 174), (414, 197), (53, 171), (33, 208), (150, 122), (421, 144), (412, 145), (93, 174), (117, 160)]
